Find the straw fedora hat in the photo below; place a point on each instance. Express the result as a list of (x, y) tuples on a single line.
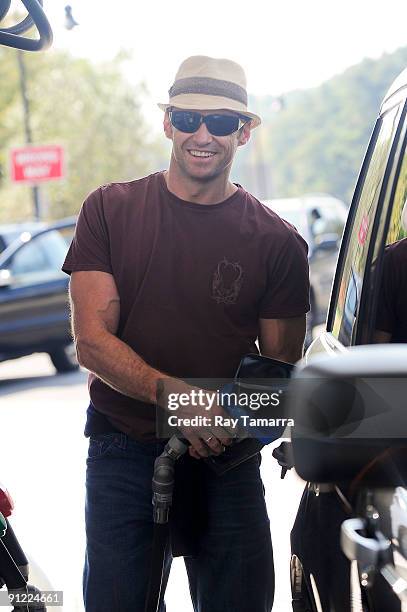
[(208, 83)]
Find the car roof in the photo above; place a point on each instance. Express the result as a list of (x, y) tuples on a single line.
[(397, 88), (305, 203), (40, 228), (12, 230), (62, 223)]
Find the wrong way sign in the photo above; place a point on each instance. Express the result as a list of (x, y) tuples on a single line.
[(34, 164)]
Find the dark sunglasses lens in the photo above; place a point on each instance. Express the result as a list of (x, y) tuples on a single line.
[(222, 125), (185, 121)]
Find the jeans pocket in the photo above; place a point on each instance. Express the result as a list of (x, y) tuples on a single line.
[(101, 444)]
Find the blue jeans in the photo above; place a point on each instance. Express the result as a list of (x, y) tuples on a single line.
[(233, 571)]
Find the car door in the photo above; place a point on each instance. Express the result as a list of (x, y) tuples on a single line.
[(33, 296), (351, 320), (362, 232), (384, 320)]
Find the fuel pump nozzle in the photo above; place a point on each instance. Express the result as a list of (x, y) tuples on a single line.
[(163, 487), (163, 478)]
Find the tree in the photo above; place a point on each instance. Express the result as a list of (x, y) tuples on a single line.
[(318, 140), (92, 110)]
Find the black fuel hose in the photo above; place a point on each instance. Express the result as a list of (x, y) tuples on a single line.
[(155, 591), (163, 487)]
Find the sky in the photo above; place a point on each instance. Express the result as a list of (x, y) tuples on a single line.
[(282, 45)]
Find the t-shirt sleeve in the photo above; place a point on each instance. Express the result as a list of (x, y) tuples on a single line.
[(287, 293), (89, 249)]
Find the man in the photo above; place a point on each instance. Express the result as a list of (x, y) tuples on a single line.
[(174, 276)]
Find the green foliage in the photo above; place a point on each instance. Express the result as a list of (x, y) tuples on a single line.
[(315, 143), (90, 109), (318, 140)]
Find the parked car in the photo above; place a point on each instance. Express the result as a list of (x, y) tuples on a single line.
[(18, 231), (349, 540), (34, 314), (320, 220)]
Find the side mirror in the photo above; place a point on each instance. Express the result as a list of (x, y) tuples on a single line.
[(327, 242), (349, 416), (6, 278)]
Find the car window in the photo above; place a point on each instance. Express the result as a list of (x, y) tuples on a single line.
[(38, 260), (359, 233), (391, 314), (9, 233), (295, 217), (293, 214), (326, 220), (398, 220), (3, 244)]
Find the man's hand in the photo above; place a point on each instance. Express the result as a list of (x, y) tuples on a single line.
[(206, 438)]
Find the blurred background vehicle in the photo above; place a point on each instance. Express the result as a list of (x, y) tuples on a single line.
[(320, 220), (18, 231), (33, 294)]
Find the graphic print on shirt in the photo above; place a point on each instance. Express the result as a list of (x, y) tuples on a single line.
[(227, 282)]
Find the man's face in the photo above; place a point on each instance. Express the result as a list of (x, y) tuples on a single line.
[(202, 156)]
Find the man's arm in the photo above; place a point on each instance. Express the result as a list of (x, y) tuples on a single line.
[(95, 307), (282, 338)]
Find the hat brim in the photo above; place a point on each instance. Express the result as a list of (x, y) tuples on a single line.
[(201, 102)]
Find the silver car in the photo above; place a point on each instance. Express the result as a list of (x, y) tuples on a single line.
[(320, 220)]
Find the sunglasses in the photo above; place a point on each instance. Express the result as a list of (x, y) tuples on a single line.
[(217, 125)]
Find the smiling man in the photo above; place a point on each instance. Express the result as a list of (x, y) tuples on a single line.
[(201, 164), (175, 276)]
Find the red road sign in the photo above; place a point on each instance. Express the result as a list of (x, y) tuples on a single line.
[(36, 164)]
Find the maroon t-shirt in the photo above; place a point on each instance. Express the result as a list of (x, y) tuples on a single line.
[(193, 281), (392, 307)]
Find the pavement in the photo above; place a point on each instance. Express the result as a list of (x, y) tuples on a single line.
[(42, 458)]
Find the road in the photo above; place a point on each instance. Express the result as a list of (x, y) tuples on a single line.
[(42, 457)]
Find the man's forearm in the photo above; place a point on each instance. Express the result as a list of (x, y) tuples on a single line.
[(119, 366), (283, 339)]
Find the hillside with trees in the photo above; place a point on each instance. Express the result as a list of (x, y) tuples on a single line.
[(91, 110), (310, 140), (317, 139)]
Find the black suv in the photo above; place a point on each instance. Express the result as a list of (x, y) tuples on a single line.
[(33, 293), (349, 540)]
